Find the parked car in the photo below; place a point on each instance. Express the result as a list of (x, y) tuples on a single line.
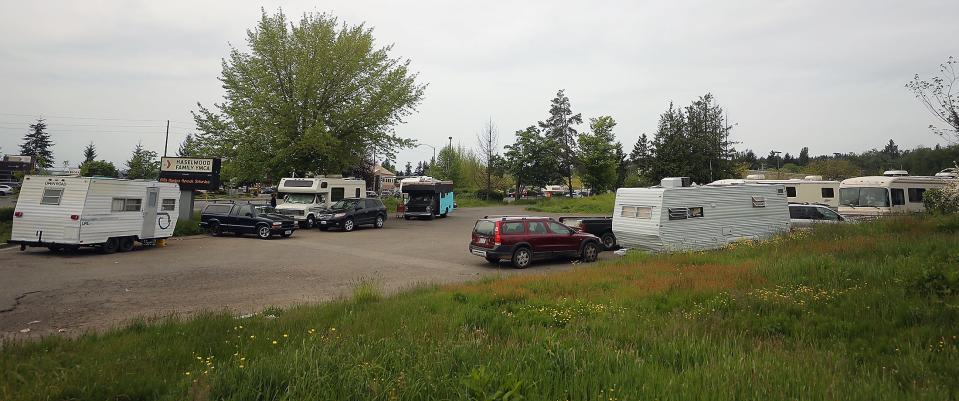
[(262, 220), (803, 215), (6, 190), (523, 239), (350, 212), (601, 227), (371, 194), (267, 190)]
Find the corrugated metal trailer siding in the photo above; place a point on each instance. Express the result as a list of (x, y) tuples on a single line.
[(168, 191), (728, 215), (638, 233), (100, 222), (52, 220)]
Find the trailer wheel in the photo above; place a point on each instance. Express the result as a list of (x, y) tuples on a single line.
[(126, 244), (110, 246), (263, 232)]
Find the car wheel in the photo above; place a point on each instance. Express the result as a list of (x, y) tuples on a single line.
[(348, 225), (492, 260), (110, 246), (215, 230), (590, 252), (310, 222), (379, 222), (522, 258), (264, 232), (609, 240), (126, 244)]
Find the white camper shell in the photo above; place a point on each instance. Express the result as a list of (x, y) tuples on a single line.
[(880, 195), (304, 197), (811, 189), (673, 217), (70, 212)]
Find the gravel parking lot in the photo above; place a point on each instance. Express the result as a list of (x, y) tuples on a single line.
[(70, 293)]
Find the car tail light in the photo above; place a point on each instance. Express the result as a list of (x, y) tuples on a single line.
[(18, 214), (74, 217), (497, 239)]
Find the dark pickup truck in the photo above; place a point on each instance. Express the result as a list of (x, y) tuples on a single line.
[(261, 220), (601, 227)]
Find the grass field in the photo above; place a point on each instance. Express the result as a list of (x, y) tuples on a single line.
[(599, 204), (856, 312)]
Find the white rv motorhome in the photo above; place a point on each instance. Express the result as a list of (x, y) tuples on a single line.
[(676, 216), (810, 189), (304, 197), (881, 195), (70, 212)]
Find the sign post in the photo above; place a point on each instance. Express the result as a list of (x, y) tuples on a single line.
[(192, 174)]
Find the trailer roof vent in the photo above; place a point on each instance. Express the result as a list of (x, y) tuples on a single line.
[(813, 178), (756, 177), (895, 173), (675, 182)]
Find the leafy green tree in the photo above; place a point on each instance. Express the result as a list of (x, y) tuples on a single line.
[(448, 165), (389, 166), (37, 144), (597, 155), (89, 153), (559, 129), (528, 160), (98, 168), (313, 96), (143, 164), (191, 147), (489, 146)]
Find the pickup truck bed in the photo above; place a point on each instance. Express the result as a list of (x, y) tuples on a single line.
[(600, 226)]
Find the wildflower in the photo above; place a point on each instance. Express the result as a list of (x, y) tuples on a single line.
[(274, 342), (285, 335), (252, 337), (187, 373), (241, 366)]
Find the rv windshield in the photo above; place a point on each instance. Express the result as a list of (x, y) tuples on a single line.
[(864, 197), (418, 198), (300, 198)]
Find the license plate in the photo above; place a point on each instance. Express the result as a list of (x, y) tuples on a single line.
[(323, 223), (288, 232), (481, 240), (478, 252)]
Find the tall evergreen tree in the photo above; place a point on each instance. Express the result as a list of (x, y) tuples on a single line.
[(143, 164), (692, 143), (37, 145), (803, 156), (89, 153), (639, 157), (891, 150), (559, 129), (419, 169), (191, 147), (409, 169)]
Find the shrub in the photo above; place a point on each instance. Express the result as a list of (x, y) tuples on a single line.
[(942, 200), (6, 213), (187, 227)]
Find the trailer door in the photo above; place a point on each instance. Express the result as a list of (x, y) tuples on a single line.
[(150, 214)]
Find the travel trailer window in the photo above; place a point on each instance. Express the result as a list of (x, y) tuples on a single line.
[(828, 193), (898, 197), (915, 194), (628, 211), (678, 213), (51, 196), (357, 193), (864, 197), (791, 192), (696, 212), (126, 205), (304, 199), (337, 193), (152, 200), (512, 228), (298, 183), (637, 212), (168, 205)]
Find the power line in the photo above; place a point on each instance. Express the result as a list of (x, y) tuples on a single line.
[(82, 125), (88, 118)]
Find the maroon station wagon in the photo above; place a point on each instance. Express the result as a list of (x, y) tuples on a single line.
[(522, 239)]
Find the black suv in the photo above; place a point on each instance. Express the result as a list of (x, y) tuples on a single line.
[(261, 220), (348, 213)]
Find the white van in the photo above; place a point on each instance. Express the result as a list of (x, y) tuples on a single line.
[(676, 216), (70, 212), (881, 195), (304, 197), (811, 189)]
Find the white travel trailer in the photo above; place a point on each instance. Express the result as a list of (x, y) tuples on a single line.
[(810, 189), (881, 195), (676, 216), (70, 212), (304, 197)]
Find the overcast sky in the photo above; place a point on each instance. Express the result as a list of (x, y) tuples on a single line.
[(823, 74)]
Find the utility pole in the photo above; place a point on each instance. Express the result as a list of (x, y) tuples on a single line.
[(449, 159), (167, 140)]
